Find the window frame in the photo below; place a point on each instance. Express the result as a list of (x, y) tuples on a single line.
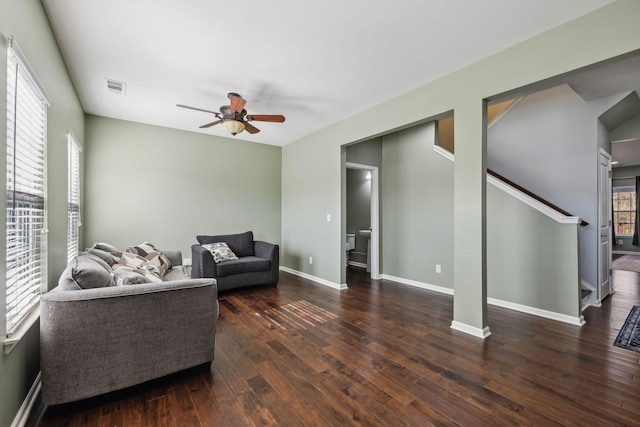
[(632, 211)]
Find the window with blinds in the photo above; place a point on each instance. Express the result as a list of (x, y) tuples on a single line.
[(26, 269), (73, 197)]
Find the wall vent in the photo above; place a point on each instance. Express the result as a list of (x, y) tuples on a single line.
[(114, 86)]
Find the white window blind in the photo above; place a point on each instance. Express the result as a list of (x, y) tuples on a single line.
[(26, 269), (73, 197)]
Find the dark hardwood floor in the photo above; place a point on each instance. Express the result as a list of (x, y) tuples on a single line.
[(383, 354)]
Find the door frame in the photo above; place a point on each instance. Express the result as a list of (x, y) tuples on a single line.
[(602, 193), (375, 217)]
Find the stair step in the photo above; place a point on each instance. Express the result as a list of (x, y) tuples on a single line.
[(586, 292)]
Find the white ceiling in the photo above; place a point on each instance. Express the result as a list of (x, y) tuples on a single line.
[(315, 62)]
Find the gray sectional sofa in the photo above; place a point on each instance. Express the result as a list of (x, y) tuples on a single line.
[(257, 262), (98, 337)]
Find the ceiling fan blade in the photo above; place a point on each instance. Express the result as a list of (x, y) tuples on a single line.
[(208, 125), (250, 128), (276, 118), (197, 109), (237, 102)]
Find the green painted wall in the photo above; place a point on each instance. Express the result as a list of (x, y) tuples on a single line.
[(312, 166), (166, 186), (27, 22), (366, 153), (531, 259), (532, 146), (417, 206)]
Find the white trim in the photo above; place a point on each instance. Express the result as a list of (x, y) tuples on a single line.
[(445, 153), (414, 283), (21, 417), (21, 330), (340, 287), (587, 285), (471, 330), (374, 239), (525, 198), (577, 321), (357, 264), (590, 300)]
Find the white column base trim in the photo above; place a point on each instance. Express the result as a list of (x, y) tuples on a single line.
[(435, 288), (577, 321), (21, 417), (471, 330), (340, 287)]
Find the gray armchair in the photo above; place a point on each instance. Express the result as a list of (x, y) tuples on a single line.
[(258, 262)]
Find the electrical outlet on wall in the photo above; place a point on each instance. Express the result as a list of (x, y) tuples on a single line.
[(310, 260), (620, 241), (438, 268)]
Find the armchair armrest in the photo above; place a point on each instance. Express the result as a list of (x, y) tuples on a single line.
[(271, 252), (202, 264), (264, 249)]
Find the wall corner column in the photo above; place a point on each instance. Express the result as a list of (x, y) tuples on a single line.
[(469, 223)]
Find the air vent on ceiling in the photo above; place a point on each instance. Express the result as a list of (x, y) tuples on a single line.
[(114, 86)]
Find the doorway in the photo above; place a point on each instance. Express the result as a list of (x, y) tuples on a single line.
[(366, 233)]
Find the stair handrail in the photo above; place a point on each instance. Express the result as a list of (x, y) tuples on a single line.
[(534, 196)]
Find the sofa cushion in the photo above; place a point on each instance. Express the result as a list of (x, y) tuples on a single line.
[(220, 252), (241, 244), (139, 264), (129, 276), (105, 247), (86, 271), (249, 264), (153, 255), (108, 257)]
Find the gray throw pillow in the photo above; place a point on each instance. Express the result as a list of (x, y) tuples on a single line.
[(105, 247), (107, 257), (89, 271)]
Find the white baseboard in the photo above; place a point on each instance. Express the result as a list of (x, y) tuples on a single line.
[(471, 330), (357, 264), (319, 280), (577, 321), (435, 288), (21, 417)]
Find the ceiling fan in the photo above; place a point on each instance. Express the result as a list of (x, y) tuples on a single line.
[(234, 117)]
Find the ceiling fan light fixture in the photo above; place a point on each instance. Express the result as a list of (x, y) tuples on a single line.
[(233, 126)]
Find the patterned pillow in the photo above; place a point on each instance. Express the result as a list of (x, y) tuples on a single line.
[(140, 265), (220, 252), (153, 255)]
